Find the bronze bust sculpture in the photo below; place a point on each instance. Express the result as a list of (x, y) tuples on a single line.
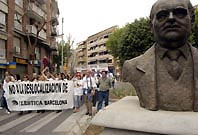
[(166, 76)]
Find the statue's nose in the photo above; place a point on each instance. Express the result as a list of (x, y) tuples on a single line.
[(171, 18), (171, 15)]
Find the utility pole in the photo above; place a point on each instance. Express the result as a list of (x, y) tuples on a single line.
[(62, 44)]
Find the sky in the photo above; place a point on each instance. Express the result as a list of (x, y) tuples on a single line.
[(83, 18)]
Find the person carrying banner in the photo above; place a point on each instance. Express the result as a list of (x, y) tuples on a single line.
[(48, 76), (42, 77), (3, 101), (25, 79), (89, 87)]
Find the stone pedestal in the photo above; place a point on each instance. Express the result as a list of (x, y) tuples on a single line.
[(126, 117)]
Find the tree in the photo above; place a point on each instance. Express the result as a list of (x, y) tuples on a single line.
[(113, 43), (32, 43), (66, 52), (131, 41), (194, 34)]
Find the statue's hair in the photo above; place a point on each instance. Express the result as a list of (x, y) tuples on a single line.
[(190, 8)]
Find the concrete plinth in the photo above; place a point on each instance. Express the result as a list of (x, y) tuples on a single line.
[(127, 117)]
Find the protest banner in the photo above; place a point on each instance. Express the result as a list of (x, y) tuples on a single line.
[(43, 95)]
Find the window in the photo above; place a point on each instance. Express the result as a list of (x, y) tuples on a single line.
[(110, 61), (18, 21), (19, 3), (17, 45), (2, 21), (106, 36), (2, 18), (4, 1), (37, 53), (2, 49)]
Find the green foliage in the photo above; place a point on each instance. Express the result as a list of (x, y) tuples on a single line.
[(194, 34), (66, 52), (123, 90), (136, 39), (131, 41), (113, 43)]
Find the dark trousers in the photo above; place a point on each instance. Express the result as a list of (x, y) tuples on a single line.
[(4, 103), (95, 98), (103, 95)]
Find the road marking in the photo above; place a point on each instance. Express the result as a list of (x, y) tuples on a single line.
[(70, 122), (17, 122), (40, 123), (7, 116)]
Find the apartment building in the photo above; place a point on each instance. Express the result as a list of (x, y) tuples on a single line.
[(19, 22), (98, 57), (81, 56), (93, 54)]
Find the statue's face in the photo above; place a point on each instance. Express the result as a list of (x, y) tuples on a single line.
[(171, 23)]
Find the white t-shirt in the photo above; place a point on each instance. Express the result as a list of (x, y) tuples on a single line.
[(78, 87), (89, 82), (50, 79)]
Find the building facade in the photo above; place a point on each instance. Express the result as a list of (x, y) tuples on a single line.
[(93, 54), (81, 56), (22, 48)]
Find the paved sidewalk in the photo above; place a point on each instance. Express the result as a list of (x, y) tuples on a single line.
[(77, 123)]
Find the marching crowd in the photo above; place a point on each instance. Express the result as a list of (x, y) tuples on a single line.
[(90, 88)]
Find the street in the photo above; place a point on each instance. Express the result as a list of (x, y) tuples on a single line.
[(48, 123)]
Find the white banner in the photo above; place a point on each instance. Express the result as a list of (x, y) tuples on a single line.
[(47, 95)]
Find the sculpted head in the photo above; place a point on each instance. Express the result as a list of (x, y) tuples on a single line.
[(171, 22)]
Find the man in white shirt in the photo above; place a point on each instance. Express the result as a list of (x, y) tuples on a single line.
[(89, 86)]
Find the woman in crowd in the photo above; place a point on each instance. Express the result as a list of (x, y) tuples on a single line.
[(8, 78), (78, 92), (25, 79), (3, 100)]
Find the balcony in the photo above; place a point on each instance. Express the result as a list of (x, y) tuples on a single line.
[(81, 53), (33, 30), (54, 31), (54, 46), (92, 58), (101, 57), (93, 66), (4, 6), (55, 19), (42, 34), (92, 51), (101, 49), (55, 13), (82, 59), (2, 53), (3, 27), (36, 12), (18, 26)]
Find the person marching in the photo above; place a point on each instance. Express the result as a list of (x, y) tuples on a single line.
[(78, 92), (3, 102), (103, 93), (89, 87)]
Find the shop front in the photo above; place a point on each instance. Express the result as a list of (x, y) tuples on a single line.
[(3, 65), (37, 66), (21, 66)]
